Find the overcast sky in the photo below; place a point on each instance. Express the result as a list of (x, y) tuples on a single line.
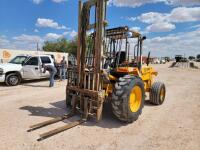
[(171, 26)]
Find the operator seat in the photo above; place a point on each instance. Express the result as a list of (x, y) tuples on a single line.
[(121, 56)]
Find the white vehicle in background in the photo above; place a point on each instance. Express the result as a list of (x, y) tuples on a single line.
[(24, 67), (156, 61), (162, 61)]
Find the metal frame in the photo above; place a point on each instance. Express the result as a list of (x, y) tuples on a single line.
[(116, 35), (84, 81)]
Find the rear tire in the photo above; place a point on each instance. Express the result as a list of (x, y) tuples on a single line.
[(123, 105), (157, 93), (12, 79)]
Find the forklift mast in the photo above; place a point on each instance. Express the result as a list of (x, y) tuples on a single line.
[(99, 29), (84, 81)]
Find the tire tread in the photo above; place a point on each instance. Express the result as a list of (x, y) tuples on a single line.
[(120, 94)]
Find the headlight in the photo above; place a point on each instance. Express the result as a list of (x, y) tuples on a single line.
[(1, 71)]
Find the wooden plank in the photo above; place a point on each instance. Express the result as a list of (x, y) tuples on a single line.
[(79, 38), (100, 29), (85, 20)]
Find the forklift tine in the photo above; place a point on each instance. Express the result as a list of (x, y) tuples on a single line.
[(60, 129), (46, 123)]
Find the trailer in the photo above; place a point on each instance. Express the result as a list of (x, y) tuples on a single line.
[(7, 54)]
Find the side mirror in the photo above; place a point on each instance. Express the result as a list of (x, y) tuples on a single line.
[(148, 58)]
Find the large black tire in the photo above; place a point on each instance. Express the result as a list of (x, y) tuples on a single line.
[(157, 93), (13, 79), (122, 96)]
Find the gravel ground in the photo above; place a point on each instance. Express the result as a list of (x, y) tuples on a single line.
[(173, 125)]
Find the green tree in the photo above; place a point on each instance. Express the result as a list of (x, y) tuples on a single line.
[(64, 45), (60, 45), (72, 47)]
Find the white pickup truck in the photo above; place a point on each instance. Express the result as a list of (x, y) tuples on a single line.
[(24, 67)]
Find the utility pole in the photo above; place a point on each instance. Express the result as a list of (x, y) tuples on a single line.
[(37, 46)]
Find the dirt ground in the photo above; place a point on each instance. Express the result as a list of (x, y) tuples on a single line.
[(173, 125)]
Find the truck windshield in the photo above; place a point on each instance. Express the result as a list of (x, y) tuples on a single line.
[(18, 60)]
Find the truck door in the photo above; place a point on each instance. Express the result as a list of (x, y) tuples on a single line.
[(31, 69), (47, 61)]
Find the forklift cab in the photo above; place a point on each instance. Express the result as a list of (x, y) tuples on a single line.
[(118, 51)]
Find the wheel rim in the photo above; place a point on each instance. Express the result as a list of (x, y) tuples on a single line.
[(135, 99), (162, 94), (13, 80)]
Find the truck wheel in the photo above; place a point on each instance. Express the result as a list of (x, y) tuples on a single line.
[(128, 98), (157, 93), (13, 79)]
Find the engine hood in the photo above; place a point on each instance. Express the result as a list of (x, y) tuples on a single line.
[(10, 67)]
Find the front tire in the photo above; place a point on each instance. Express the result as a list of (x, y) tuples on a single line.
[(12, 79), (128, 98)]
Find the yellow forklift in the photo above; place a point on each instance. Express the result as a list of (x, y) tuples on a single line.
[(106, 72), (123, 80)]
